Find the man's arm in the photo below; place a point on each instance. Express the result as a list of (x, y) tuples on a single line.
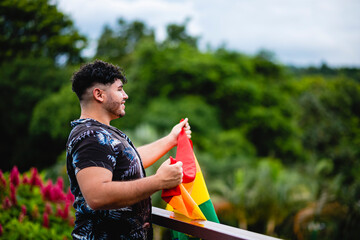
[(100, 192), (152, 152)]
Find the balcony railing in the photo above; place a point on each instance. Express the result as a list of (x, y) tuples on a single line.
[(202, 229)]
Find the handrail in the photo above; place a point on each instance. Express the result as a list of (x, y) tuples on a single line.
[(202, 229)]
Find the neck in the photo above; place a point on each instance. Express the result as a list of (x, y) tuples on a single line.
[(96, 115)]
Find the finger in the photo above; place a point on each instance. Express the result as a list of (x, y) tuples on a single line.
[(179, 163), (188, 133), (183, 123)]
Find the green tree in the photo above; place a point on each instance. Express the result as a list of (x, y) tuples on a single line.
[(53, 114), (37, 28), (24, 82), (176, 34), (265, 64), (262, 194), (35, 37), (117, 44), (330, 120)]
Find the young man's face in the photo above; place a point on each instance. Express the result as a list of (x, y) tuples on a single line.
[(115, 99)]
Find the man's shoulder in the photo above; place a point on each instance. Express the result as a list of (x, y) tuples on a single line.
[(88, 128), (81, 130), (85, 127)]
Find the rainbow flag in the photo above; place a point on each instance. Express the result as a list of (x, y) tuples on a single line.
[(191, 198)]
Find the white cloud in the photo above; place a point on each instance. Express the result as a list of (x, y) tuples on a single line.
[(299, 32), (91, 15)]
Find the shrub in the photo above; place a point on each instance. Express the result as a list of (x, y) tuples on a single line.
[(33, 209)]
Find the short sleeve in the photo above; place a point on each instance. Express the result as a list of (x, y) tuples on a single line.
[(91, 152)]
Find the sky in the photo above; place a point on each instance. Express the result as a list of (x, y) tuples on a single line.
[(298, 32)]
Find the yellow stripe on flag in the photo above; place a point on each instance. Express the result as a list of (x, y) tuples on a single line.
[(184, 204), (199, 192)]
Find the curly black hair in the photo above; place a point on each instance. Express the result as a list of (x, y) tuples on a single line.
[(96, 72)]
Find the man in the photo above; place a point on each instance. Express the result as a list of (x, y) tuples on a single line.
[(106, 172)]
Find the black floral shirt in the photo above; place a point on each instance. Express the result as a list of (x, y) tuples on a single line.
[(92, 143)]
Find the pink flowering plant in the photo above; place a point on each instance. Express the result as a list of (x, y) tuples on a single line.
[(33, 209)]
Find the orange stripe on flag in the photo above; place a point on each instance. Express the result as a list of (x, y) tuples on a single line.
[(185, 205)]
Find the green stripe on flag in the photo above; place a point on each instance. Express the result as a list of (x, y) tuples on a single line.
[(208, 210)]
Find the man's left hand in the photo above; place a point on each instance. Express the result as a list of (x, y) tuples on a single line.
[(177, 129)]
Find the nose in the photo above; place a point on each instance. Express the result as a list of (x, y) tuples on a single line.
[(125, 96)]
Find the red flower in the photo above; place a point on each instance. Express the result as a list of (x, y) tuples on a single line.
[(6, 203), (66, 210), (58, 210), (35, 179), (52, 192), (14, 176), (48, 208), (57, 194), (23, 213), (60, 183), (46, 221), (71, 221), (2, 179), (23, 209), (46, 190), (70, 197), (21, 217), (25, 180), (1, 230), (63, 213), (13, 194)]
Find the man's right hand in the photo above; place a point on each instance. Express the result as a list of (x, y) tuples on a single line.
[(169, 175)]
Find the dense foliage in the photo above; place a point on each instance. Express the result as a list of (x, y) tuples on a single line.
[(34, 209), (278, 145), (37, 28)]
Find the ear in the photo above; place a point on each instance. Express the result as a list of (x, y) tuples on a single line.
[(98, 94)]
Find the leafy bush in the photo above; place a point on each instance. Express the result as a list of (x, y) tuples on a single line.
[(34, 209)]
